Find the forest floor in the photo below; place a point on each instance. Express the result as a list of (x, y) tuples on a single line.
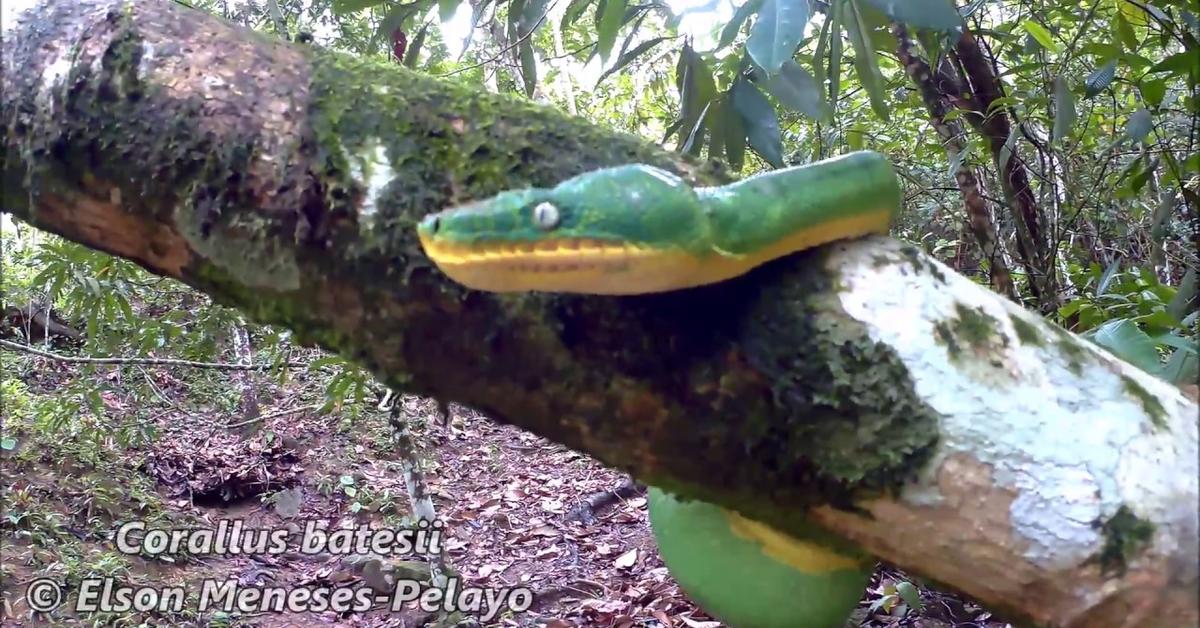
[(504, 494)]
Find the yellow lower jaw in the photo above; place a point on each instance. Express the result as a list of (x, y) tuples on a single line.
[(593, 267)]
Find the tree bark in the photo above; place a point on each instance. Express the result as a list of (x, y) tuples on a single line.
[(861, 385), (979, 219)]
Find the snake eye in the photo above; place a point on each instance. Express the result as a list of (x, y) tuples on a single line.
[(545, 214)]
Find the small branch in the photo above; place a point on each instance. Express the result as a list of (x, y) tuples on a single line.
[(14, 346)]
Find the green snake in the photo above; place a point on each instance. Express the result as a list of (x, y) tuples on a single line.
[(638, 229)]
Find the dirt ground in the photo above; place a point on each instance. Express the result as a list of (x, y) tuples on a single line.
[(505, 496)]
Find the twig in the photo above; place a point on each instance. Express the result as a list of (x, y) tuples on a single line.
[(273, 415), (14, 346), (507, 48)]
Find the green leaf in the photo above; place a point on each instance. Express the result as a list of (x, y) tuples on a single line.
[(818, 60), (609, 26), (8, 443), (777, 32), (1126, 341), (1099, 79), (515, 9), (743, 13), (1006, 149), (931, 14), (1126, 34), (342, 7), (835, 51), (1040, 34), (1139, 125), (758, 117), (1183, 367), (528, 66), (447, 9), (864, 61), (797, 90), (531, 13), (414, 49), (909, 593), (696, 88), (572, 13), (695, 139), (1064, 110), (1184, 296), (1153, 92), (1181, 63), (735, 136), (630, 55)]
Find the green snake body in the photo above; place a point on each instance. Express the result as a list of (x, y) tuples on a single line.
[(637, 229)]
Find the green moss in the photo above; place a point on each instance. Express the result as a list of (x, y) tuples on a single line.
[(1027, 333), (944, 332), (979, 329), (1150, 403), (1125, 535)]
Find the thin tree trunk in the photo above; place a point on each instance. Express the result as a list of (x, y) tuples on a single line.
[(979, 219)]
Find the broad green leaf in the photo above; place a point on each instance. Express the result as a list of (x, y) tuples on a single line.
[(1126, 341), (716, 118), (864, 61), (856, 137), (8, 443), (609, 25), (695, 139), (413, 54), (1183, 367), (1100, 79), (532, 16), (743, 13), (838, 8), (758, 117), (777, 32), (1006, 149), (515, 9), (1153, 92), (528, 66), (1040, 34), (818, 61), (931, 14), (1139, 125), (1064, 109), (447, 9), (1185, 296), (1125, 34), (797, 90), (342, 7), (630, 55), (1180, 63), (735, 135), (1106, 278), (909, 593), (572, 13), (696, 89)]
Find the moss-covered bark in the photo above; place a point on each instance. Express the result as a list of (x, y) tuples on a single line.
[(286, 181)]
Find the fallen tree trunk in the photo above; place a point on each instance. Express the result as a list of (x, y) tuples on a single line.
[(863, 385)]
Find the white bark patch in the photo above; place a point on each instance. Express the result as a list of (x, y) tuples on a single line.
[(373, 169), (55, 73), (1058, 421), (145, 63)]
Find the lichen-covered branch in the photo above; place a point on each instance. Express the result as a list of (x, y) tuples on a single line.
[(862, 385)]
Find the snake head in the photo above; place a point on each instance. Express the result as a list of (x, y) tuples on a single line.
[(606, 231)]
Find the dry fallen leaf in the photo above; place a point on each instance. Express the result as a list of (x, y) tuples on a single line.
[(626, 560)]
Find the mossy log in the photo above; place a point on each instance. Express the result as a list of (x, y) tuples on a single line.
[(862, 385)]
